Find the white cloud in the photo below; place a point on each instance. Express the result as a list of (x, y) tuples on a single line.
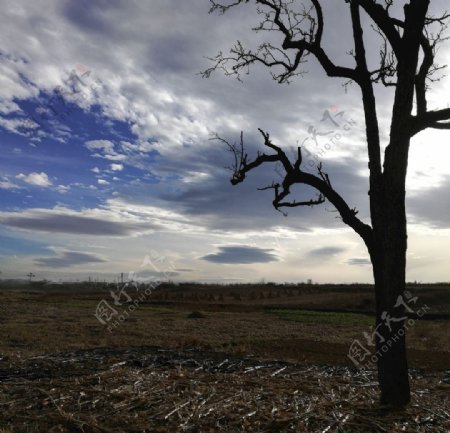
[(96, 170), (62, 189), (37, 179), (116, 157), (116, 167), (7, 107), (105, 146), (104, 149), (102, 182), (137, 147), (195, 176), (21, 126), (7, 184)]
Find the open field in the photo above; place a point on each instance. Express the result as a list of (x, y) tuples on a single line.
[(58, 360)]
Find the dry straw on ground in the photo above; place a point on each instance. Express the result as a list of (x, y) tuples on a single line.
[(190, 390)]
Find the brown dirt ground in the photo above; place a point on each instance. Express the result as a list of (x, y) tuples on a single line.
[(61, 371), (34, 323)]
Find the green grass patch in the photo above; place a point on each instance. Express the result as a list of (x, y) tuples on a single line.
[(148, 308), (321, 317)]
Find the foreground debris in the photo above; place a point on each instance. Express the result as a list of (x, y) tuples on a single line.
[(151, 389)]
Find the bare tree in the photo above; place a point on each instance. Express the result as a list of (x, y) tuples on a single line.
[(406, 63)]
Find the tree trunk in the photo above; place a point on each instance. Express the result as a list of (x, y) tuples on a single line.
[(389, 264), (391, 342), (389, 243), (393, 368)]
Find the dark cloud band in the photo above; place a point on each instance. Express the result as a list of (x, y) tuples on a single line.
[(241, 255)]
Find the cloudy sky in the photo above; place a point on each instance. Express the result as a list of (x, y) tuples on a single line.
[(105, 127)]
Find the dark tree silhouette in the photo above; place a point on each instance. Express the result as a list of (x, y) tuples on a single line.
[(406, 63)]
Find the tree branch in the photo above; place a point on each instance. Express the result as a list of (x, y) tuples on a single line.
[(282, 18), (428, 43), (381, 18), (279, 196), (439, 125), (294, 175), (430, 119), (369, 103), (388, 64), (223, 8)]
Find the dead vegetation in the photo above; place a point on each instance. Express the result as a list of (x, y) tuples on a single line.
[(152, 389), (61, 371)]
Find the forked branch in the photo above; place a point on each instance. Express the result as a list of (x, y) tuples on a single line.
[(302, 31), (294, 175)]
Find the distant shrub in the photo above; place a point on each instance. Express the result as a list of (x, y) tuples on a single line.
[(196, 315)]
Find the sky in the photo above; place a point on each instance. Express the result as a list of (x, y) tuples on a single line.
[(108, 165)]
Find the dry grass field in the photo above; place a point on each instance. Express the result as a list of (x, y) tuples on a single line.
[(63, 371)]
